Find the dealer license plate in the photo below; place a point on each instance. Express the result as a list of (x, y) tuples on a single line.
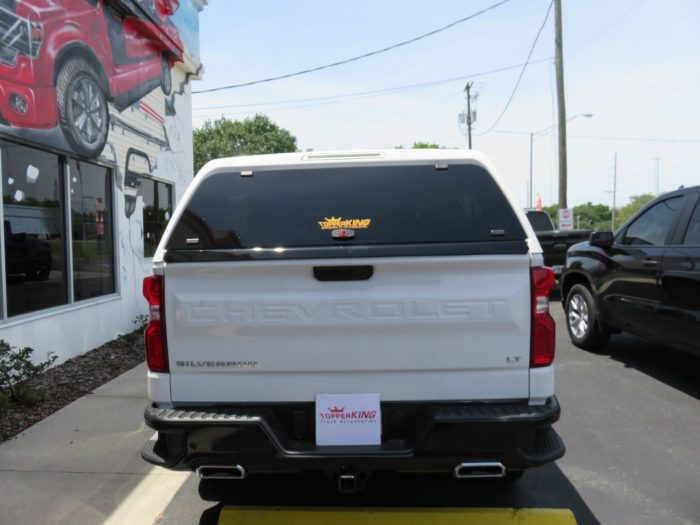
[(348, 419)]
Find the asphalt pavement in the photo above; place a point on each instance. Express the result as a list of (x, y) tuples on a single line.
[(630, 421)]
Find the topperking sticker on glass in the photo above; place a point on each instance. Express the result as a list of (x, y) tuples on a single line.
[(336, 223)]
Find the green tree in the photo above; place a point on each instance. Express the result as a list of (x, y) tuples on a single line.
[(635, 204), (426, 145), (232, 138), (422, 145), (591, 215)]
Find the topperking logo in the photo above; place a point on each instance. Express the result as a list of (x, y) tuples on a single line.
[(336, 223), (338, 415)]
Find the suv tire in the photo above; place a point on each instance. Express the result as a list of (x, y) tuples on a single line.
[(585, 329), (83, 113)]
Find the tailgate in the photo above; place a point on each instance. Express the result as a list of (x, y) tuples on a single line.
[(420, 328)]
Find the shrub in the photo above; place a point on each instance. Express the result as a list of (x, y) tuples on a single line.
[(133, 337), (16, 372)]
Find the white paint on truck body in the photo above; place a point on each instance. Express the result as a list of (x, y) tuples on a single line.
[(420, 328)]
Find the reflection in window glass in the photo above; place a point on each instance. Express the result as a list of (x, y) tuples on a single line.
[(652, 227), (92, 230), (692, 234), (34, 231), (157, 208)]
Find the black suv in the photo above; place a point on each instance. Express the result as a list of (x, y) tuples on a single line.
[(644, 279)]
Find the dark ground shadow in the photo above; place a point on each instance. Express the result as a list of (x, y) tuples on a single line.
[(555, 295), (668, 365), (545, 487)]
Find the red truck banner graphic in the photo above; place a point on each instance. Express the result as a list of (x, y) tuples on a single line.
[(69, 68)]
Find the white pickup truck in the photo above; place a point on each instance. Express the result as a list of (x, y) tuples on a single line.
[(350, 312)]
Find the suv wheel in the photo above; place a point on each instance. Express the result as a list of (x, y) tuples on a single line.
[(82, 107), (582, 321)]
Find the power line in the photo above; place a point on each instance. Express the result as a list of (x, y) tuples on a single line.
[(605, 28), (609, 137), (576, 50), (376, 92), (638, 139), (522, 72), (356, 58)]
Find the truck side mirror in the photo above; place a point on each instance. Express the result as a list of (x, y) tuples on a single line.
[(601, 239)]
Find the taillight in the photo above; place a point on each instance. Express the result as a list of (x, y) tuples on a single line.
[(156, 348), (543, 331)]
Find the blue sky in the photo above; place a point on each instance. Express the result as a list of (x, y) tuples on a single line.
[(634, 64)]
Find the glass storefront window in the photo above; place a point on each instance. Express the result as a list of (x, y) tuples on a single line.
[(92, 230), (157, 208), (32, 185), (34, 215)]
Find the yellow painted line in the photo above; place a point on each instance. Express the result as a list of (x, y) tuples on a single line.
[(148, 499), (382, 516)]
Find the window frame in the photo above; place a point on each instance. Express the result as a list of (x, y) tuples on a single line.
[(114, 217), (71, 303)]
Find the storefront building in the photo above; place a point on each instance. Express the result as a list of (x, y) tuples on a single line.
[(95, 150)]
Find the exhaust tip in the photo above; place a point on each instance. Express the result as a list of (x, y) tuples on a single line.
[(484, 469), (221, 472)]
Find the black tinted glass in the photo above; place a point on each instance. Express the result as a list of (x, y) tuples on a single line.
[(157, 207), (654, 225), (692, 234), (91, 216), (383, 205), (540, 221)]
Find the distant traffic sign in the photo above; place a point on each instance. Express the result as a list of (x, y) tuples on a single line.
[(566, 219)]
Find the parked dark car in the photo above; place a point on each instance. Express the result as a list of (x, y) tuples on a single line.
[(554, 242), (26, 256), (643, 279)]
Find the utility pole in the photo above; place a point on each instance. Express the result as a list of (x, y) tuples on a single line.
[(468, 88), (468, 117), (614, 191), (532, 135), (561, 106)]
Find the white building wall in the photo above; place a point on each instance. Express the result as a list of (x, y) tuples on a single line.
[(71, 330)]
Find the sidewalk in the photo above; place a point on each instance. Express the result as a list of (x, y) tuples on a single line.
[(81, 464)]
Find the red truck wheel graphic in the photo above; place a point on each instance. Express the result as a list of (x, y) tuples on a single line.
[(82, 107)]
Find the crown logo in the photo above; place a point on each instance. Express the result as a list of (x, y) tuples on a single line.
[(333, 221), (336, 410)]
